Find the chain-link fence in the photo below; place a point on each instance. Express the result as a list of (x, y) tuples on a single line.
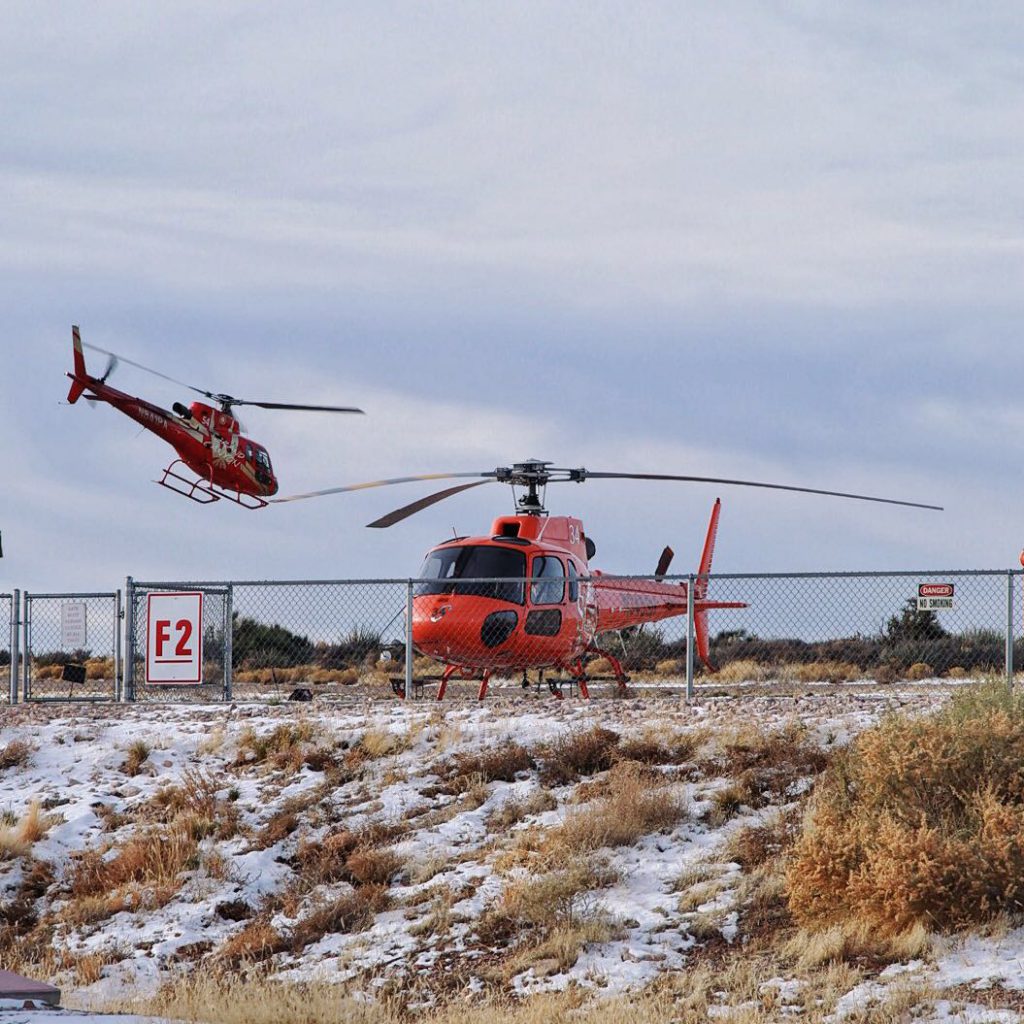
[(72, 646), (9, 648), (566, 634)]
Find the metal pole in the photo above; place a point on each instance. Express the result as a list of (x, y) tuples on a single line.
[(26, 646), (1009, 630), (689, 638), (15, 623), (408, 641), (128, 673), (118, 616), (229, 630)]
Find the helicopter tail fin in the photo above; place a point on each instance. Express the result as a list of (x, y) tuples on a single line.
[(79, 377), (700, 589)]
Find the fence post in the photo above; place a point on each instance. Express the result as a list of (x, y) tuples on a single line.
[(408, 641), (26, 645), (1009, 629), (229, 631), (128, 668), (689, 638), (13, 645), (118, 616)]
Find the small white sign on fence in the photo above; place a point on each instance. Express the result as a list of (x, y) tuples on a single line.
[(174, 638), (73, 632)]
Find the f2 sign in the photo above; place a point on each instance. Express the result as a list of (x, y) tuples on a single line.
[(174, 638)]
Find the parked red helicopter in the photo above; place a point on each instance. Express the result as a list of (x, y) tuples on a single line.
[(527, 597), (208, 441)]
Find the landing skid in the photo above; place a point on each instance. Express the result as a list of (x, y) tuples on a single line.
[(205, 492)]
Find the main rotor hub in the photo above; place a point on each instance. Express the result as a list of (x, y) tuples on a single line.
[(534, 475)]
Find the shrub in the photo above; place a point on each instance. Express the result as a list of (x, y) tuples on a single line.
[(821, 672), (15, 755), (920, 821), (743, 670), (576, 753), (920, 670), (500, 763)]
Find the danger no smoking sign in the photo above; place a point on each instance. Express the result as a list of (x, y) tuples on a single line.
[(934, 597), (174, 638)]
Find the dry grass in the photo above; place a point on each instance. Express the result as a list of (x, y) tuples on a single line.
[(501, 762), (516, 809), (360, 857), (18, 838), (377, 743), (921, 821), (853, 941), (138, 753), (820, 672), (577, 753), (740, 991), (637, 804), (764, 767), (743, 670), (659, 746), (754, 845), (351, 912), (145, 872), (15, 754), (194, 804), (283, 748)]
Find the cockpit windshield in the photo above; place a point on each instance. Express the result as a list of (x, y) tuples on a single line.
[(263, 459), (474, 562)]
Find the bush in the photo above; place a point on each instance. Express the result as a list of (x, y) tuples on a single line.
[(576, 753), (919, 822)]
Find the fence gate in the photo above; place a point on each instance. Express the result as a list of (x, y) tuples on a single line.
[(72, 646), (216, 644)]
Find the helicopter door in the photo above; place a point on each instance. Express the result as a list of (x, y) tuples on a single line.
[(547, 588)]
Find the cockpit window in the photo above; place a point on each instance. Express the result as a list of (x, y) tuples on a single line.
[(549, 581), (474, 562), (262, 459)]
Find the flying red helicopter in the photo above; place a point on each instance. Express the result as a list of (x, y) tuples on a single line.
[(524, 597), (208, 440)]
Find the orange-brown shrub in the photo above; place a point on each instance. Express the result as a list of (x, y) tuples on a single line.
[(920, 821)]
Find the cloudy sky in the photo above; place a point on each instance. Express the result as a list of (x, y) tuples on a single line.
[(778, 240)]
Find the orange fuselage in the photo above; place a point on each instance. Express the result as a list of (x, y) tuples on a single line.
[(542, 607)]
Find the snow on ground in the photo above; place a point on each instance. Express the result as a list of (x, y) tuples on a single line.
[(395, 760)]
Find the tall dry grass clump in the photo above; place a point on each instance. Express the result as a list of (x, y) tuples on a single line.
[(920, 821), (637, 803)]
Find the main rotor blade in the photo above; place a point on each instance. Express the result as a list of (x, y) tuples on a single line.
[(417, 506), (754, 483), (148, 369), (301, 408), (382, 483)]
